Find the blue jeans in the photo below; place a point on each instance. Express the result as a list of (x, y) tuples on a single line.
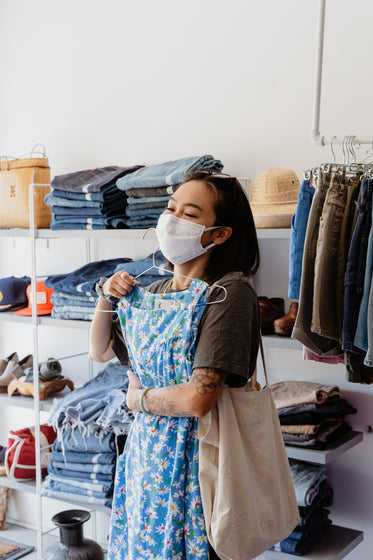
[(143, 212), (297, 237), (72, 315), (59, 298), (361, 334), (108, 193), (94, 485), (94, 442), (307, 479), (53, 200), (46, 490), (75, 225), (59, 486), (82, 404), (81, 475), (356, 261), (143, 223), (168, 173), (83, 280), (86, 467), (134, 202), (83, 457), (115, 416), (90, 180)]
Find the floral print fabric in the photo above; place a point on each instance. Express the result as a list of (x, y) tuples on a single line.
[(157, 511)]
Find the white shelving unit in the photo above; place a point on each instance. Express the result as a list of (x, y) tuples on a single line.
[(337, 541)]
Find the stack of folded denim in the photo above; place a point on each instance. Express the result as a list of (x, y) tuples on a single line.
[(314, 494), (82, 467), (311, 415), (149, 188), (149, 273), (88, 199), (74, 292), (91, 431)]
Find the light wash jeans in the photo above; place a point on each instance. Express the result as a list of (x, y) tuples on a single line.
[(297, 237), (168, 173), (47, 490)]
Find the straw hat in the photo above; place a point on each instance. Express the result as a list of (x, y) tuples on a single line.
[(274, 198)]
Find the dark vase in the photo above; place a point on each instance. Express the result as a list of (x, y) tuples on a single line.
[(73, 546)]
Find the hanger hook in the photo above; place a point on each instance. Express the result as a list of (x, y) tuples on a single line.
[(353, 148), (332, 149), (343, 149)]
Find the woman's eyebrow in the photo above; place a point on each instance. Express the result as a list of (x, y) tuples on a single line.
[(187, 204)]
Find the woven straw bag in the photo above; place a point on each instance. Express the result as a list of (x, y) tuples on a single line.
[(16, 174)]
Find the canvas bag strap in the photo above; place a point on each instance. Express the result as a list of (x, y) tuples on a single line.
[(263, 359)]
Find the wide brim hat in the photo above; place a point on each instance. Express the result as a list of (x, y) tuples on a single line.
[(274, 198)]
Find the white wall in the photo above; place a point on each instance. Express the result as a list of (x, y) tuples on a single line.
[(120, 82)]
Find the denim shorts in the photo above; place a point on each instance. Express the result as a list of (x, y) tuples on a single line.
[(297, 237)]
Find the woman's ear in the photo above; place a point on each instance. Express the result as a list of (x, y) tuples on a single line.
[(222, 234)]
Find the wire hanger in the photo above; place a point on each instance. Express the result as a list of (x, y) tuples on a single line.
[(214, 285), (184, 276)]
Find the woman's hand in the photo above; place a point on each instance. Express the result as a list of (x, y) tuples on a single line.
[(133, 392), (119, 284)]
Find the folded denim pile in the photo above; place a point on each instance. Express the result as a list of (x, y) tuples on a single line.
[(88, 199), (91, 431), (74, 292), (82, 467), (149, 188), (314, 495), (311, 415)]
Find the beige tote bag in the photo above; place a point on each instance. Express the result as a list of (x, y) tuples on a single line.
[(247, 491)]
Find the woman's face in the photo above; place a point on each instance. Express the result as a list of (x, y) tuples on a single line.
[(193, 201)]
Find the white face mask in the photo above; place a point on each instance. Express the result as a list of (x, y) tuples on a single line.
[(180, 240)]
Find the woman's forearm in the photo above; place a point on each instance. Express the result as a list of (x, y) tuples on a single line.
[(194, 398), (100, 349)]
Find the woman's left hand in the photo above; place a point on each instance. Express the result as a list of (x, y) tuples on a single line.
[(133, 392)]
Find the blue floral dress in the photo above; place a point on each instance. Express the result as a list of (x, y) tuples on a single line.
[(157, 511)]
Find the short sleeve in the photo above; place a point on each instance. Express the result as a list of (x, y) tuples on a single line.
[(228, 337)]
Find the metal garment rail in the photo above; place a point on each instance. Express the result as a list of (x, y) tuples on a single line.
[(316, 135)]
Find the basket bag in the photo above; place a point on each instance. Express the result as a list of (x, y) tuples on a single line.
[(16, 174), (247, 492), (20, 452)]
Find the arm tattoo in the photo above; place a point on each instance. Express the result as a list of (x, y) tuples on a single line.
[(164, 407), (207, 380)]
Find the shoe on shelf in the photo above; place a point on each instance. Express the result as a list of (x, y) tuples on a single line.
[(4, 361), (48, 371), (284, 325), (270, 310), (14, 371)]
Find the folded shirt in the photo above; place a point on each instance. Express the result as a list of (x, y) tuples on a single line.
[(329, 433), (292, 393)]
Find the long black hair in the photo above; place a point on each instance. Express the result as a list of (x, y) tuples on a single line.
[(241, 251)]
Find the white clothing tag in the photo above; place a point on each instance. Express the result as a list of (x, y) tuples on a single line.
[(164, 305)]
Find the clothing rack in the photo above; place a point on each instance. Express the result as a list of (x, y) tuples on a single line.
[(316, 135)]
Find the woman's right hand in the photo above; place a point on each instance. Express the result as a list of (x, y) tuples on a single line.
[(119, 284)]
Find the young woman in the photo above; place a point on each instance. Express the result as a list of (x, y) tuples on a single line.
[(185, 338)]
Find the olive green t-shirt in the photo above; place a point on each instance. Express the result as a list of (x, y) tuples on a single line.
[(228, 335)]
